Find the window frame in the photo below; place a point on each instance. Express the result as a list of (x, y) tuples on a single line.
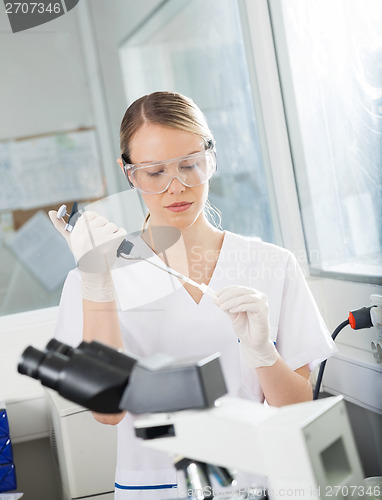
[(260, 18), (297, 151), (273, 130)]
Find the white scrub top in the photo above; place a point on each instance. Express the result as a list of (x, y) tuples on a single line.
[(157, 314)]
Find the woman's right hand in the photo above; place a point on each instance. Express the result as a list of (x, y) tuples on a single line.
[(94, 242), (109, 418)]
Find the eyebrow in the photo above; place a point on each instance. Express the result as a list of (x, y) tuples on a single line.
[(168, 159)]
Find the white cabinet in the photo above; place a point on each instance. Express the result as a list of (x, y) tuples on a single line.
[(86, 450)]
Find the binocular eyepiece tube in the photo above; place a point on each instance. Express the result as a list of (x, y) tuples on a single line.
[(105, 380), (92, 375)]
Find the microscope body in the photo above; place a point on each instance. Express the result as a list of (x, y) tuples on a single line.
[(304, 450)]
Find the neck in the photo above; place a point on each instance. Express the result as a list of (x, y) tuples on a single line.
[(201, 234), (186, 254)]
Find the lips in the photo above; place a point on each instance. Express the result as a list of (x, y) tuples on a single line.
[(179, 206)]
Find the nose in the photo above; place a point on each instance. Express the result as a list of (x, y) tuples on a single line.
[(176, 186)]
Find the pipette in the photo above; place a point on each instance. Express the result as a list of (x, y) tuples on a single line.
[(201, 286), (75, 214), (125, 248)]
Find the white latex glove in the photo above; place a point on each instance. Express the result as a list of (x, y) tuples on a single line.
[(248, 310), (93, 242)]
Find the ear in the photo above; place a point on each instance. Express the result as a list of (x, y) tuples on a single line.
[(119, 161)]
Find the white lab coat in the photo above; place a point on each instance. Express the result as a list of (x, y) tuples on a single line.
[(158, 315)]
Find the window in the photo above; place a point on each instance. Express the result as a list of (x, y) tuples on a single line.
[(197, 49), (330, 61), (49, 155)]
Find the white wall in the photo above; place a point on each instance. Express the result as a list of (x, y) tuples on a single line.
[(43, 81), (113, 22)]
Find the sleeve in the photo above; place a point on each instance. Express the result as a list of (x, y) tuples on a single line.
[(303, 337), (70, 320)]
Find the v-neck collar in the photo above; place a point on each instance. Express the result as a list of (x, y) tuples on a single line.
[(154, 256), (210, 283)]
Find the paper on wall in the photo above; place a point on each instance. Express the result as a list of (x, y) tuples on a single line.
[(11, 191), (48, 170), (43, 251)]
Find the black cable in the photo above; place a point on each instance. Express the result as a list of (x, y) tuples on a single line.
[(323, 364)]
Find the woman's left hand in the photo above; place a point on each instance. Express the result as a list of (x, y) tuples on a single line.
[(248, 310)]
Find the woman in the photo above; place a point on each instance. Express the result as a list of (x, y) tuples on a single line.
[(262, 297)]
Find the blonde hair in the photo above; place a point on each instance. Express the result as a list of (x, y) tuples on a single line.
[(169, 109)]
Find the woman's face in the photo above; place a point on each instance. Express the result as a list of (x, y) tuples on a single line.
[(179, 206)]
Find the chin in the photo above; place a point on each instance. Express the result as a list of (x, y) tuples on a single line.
[(181, 220)]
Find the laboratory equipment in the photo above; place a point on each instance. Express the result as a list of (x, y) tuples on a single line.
[(366, 317), (73, 216), (124, 253), (108, 381), (7, 467), (304, 448), (61, 212)]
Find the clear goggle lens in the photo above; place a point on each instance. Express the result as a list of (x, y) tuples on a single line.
[(155, 178)]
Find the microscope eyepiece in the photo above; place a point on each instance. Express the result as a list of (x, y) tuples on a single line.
[(30, 362), (45, 366), (55, 345)]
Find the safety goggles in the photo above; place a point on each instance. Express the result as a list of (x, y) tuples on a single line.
[(156, 177)]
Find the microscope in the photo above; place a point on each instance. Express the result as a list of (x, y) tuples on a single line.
[(304, 450)]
